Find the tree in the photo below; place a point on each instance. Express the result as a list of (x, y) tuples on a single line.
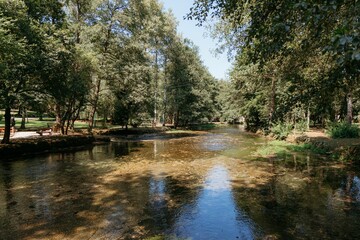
[(190, 85), (295, 32), (105, 33), (68, 70), (22, 52), (13, 53)]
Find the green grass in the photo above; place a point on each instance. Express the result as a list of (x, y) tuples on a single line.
[(273, 148), (35, 123), (307, 147), (276, 148)]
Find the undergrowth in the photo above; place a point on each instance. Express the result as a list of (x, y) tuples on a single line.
[(342, 130), (275, 148)]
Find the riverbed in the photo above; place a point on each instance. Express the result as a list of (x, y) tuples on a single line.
[(210, 185)]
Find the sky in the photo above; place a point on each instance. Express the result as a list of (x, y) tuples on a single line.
[(217, 65)]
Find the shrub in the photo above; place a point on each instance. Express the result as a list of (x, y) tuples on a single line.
[(301, 126), (342, 130), (1, 117), (281, 130)]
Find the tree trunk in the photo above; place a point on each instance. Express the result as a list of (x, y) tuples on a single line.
[(59, 123), (176, 120), (105, 117), (67, 126), (308, 119), (164, 99), (77, 115), (156, 86), (23, 118), (95, 104), (349, 116), (6, 138), (272, 100)]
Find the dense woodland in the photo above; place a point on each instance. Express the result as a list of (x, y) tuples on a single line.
[(295, 62)]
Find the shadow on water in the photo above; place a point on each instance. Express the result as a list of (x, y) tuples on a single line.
[(83, 195), (200, 187), (304, 199), (44, 197)]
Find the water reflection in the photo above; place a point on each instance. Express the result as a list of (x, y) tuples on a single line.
[(214, 215), (208, 186), (350, 188)]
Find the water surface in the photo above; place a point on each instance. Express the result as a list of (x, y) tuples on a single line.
[(207, 186)]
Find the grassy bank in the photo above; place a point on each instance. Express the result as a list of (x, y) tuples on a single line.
[(34, 123), (278, 148), (315, 141)]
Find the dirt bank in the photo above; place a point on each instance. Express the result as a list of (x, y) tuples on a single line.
[(28, 146)]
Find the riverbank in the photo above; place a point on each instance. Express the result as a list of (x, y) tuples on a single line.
[(316, 141), (31, 146), (143, 134), (344, 149)]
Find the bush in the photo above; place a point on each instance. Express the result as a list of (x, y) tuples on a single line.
[(1, 117), (342, 130), (281, 130), (301, 126)]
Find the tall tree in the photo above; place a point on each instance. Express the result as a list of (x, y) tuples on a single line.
[(296, 32), (105, 33), (24, 31)]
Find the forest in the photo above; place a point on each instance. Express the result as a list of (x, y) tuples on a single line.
[(296, 63), (118, 59)]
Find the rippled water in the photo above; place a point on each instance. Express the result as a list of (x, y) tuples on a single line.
[(207, 186)]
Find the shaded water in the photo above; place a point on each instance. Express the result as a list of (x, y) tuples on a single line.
[(208, 186)]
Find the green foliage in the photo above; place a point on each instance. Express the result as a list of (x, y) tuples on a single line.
[(301, 126), (307, 147), (307, 56), (120, 59), (273, 148), (343, 130), (276, 148), (190, 85), (280, 130)]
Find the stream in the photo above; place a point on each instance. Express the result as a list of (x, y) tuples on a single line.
[(209, 185)]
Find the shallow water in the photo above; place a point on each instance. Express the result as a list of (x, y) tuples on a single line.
[(207, 186)]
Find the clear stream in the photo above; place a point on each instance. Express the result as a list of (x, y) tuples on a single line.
[(210, 185)]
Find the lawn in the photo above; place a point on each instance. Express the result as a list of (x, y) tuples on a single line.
[(35, 123)]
